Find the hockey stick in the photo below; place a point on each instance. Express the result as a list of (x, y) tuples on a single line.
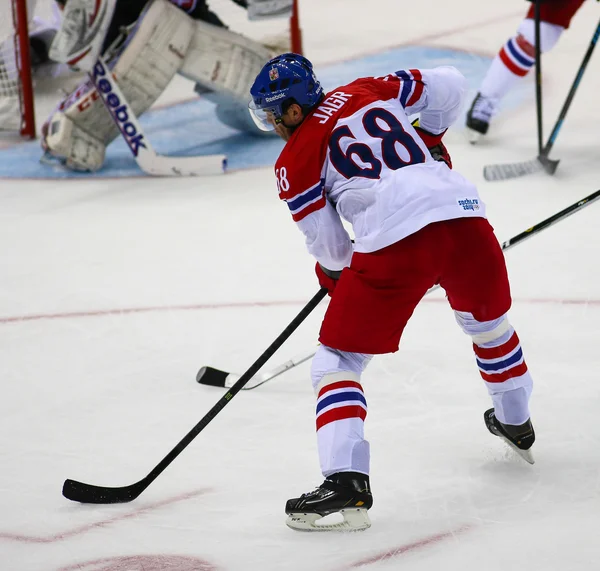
[(219, 378), (564, 213), (145, 156), (90, 494), (542, 162), (538, 77)]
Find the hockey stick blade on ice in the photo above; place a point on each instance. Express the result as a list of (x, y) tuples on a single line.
[(90, 494), (147, 159), (493, 173), (218, 378), (542, 162)]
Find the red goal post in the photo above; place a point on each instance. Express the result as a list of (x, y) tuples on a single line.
[(16, 91)]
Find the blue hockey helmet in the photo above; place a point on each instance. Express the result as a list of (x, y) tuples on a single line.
[(288, 76)]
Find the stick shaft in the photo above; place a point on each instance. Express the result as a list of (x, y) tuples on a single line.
[(538, 76), (571, 94), (237, 387)]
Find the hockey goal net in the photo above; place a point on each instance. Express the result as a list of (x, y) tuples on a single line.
[(16, 93)]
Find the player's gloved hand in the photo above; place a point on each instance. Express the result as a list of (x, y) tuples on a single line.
[(434, 143), (327, 278)]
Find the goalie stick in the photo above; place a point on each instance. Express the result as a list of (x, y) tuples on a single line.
[(219, 378), (542, 162), (145, 156), (90, 494)]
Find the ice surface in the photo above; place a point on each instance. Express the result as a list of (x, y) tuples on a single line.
[(114, 292)]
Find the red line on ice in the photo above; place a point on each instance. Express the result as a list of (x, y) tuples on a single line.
[(103, 523), (243, 305), (408, 548), (127, 310)]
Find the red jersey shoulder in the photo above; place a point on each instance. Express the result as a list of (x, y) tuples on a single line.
[(301, 161), (298, 170)]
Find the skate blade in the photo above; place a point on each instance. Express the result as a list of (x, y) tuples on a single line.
[(473, 136), (356, 519), (525, 454)]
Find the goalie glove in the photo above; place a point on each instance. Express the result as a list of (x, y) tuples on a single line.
[(434, 144), (84, 26)]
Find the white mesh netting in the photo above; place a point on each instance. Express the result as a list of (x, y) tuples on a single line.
[(10, 115), (41, 15)]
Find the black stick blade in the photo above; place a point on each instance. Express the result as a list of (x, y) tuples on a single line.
[(89, 494), (211, 376)]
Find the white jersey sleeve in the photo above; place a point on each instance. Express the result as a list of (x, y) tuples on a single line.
[(326, 237), (443, 94)]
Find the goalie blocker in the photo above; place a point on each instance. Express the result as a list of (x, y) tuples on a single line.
[(164, 41)]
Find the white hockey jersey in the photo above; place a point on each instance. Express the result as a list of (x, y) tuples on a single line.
[(357, 156)]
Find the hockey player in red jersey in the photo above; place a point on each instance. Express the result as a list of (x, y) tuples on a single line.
[(515, 58), (353, 154)]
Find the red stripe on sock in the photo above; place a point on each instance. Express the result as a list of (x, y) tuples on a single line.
[(497, 352), (340, 414), (511, 65), (505, 375), (340, 385)]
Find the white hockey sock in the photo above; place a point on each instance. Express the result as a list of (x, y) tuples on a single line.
[(507, 378), (501, 364), (512, 407), (508, 67), (341, 410)]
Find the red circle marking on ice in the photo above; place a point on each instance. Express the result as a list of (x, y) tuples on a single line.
[(143, 563)]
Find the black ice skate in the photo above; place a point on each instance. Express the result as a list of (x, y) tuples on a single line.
[(479, 117), (346, 493), (519, 438)]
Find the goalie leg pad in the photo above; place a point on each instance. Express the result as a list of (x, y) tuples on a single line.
[(72, 146), (225, 63), (146, 63), (234, 114)]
